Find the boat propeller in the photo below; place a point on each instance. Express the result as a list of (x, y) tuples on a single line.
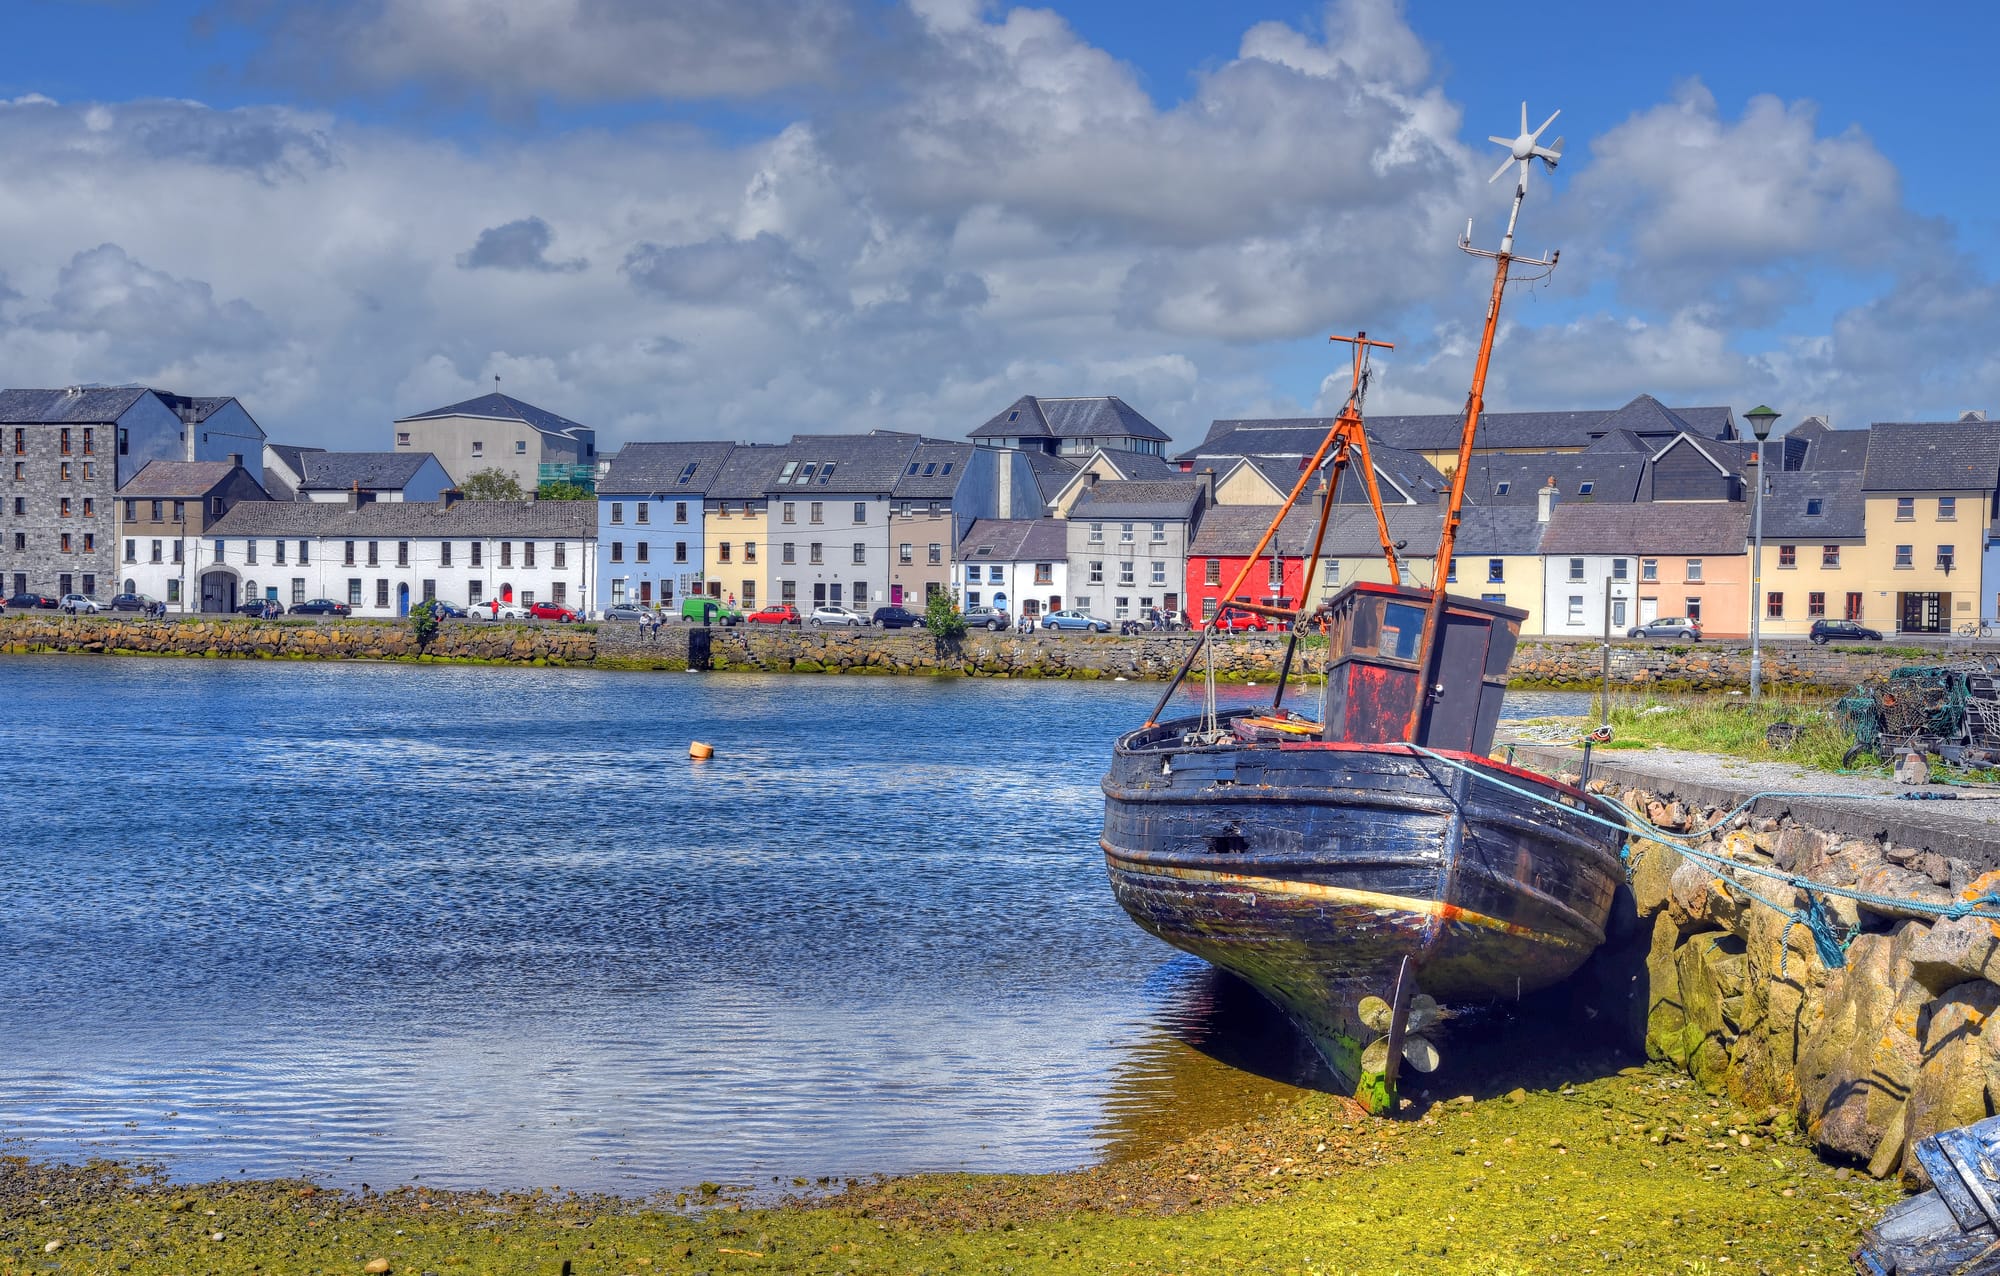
[(1418, 1049)]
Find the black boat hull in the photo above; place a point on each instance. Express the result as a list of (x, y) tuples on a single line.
[(1312, 869)]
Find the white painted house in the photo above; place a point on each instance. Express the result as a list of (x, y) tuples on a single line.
[(380, 557), (1018, 565)]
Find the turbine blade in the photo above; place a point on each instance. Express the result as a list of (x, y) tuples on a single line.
[(1545, 124), (1507, 142), (1524, 117), (1504, 165)]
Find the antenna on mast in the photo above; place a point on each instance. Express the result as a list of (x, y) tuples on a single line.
[(1522, 150)]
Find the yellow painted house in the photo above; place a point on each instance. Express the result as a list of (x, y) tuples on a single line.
[(1927, 492), (737, 557), (1816, 554)]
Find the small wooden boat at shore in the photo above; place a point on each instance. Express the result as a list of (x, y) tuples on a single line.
[(1362, 867)]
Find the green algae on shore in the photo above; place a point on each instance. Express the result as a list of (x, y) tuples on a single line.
[(1638, 1172)]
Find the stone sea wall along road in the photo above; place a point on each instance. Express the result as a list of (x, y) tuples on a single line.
[(1252, 657), (1869, 1055)]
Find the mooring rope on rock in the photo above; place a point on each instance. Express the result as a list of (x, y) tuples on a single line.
[(1829, 941)]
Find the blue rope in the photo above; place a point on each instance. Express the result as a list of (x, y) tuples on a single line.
[(1827, 940)]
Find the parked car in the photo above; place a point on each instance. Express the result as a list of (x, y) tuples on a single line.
[(261, 607), (447, 611), (79, 605), (626, 611), (896, 618), (1826, 631), (710, 611), (551, 611), (775, 614), (831, 615), (1671, 627), (321, 607), (30, 602), (132, 602), (1070, 618), (494, 609), (1238, 621), (980, 616)]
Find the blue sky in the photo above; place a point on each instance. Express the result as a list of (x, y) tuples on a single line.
[(738, 218)]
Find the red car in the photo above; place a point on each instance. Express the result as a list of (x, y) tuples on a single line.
[(775, 614), (551, 611), (1238, 621)]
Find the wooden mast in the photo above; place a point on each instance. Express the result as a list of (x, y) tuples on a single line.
[(1523, 150)]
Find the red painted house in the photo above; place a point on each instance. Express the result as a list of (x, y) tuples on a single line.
[(1222, 545)]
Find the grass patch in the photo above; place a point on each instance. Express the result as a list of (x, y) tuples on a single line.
[(1732, 726)]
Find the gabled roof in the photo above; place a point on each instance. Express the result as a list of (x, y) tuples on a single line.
[(78, 405), (370, 471), (292, 454), (502, 407), (861, 464), (1617, 442), (664, 468), (1094, 416), (1157, 499), (1612, 476), (748, 470), (1837, 450), (933, 472), (553, 519), (195, 408), (1933, 456), (1725, 458), (1643, 417), (1234, 530), (177, 478), (1836, 494), (1052, 473), (1014, 540), (1667, 528)]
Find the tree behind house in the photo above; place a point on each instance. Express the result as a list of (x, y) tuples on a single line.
[(491, 484)]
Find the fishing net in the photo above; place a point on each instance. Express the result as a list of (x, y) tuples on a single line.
[(1924, 707)]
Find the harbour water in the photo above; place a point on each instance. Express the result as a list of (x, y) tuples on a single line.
[(479, 927)]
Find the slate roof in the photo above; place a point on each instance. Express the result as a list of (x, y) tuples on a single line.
[(863, 464), (87, 405), (176, 478), (1014, 540), (502, 407), (645, 468), (529, 519), (748, 470), (293, 455), (933, 472), (1234, 530), (1093, 416), (370, 471), (1052, 473), (1613, 476), (1838, 493), (1837, 450), (1498, 530), (1138, 499), (1692, 527), (1644, 417), (194, 408), (1140, 465), (1932, 456)]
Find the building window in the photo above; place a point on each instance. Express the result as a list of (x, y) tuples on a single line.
[(520, 447), (444, 554), (374, 553), (159, 551), (1576, 609), (180, 510), (474, 591), (215, 553), (90, 543), (680, 551), (788, 591), (1160, 574), (250, 550), (430, 590), (617, 512), (478, 552), (905, 554), (63, 504), (860, 511), (1649, 569), (1694, 569), (787, 512), (559, 593), (1585, 488), (562, 555), (1854, 606), (1619, 570), (402, 553), (860, 554), (1906, 508), (1692, 607), (722, 552), (789, 554), (1096, 572), (617, 551), (1496, 571), (1947, 558), (173, 591), (1125, 572), (402, 440), (1774, 606), (527, 553), (814, 553), (680, 512), (749, 593), (131, 550), (506, 553), (65, 442), (1829, 556), (1212, 572), (382, 594), (478, 448), (817, 511), (937, 553), (1906, 556), (1097, 533), (354, 591), (1125, 533), (348, 561), (1816, 604), (1947, 509), (180, 554), (1815, 507), (1576, 569), (643, 550), (1788, 556)]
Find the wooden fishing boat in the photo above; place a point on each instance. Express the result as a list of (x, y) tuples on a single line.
[(1367, 866)]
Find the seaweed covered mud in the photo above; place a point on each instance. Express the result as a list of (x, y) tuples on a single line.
[(1630, 1171)]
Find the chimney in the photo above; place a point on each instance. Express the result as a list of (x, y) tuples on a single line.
[(354, 495), (1090, 480), (450, 497), (1545, 500), (1205, 489), (235, 460)]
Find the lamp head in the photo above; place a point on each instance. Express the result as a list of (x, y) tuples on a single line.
[(1760, 418)]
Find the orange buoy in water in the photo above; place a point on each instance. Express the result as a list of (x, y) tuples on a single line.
[(701, 752)]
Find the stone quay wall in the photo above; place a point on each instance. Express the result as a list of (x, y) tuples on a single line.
[(246, 639), (1868, 1057), (1551, 663)]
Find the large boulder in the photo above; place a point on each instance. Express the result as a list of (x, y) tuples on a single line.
[(1698, 900), (1950, 1087), (1861, 1059), (1653, 863)]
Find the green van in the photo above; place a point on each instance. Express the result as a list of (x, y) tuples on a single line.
[(709, 611)]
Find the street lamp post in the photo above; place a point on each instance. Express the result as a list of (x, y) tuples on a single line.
[(1760, 418)]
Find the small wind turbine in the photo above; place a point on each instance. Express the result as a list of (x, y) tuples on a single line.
[(1520, 150)]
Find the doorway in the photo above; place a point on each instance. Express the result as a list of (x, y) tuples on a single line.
[(1923, 612), (1649, 610), (402, 599)]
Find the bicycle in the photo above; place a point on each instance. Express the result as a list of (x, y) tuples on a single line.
[(1979, 629)]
